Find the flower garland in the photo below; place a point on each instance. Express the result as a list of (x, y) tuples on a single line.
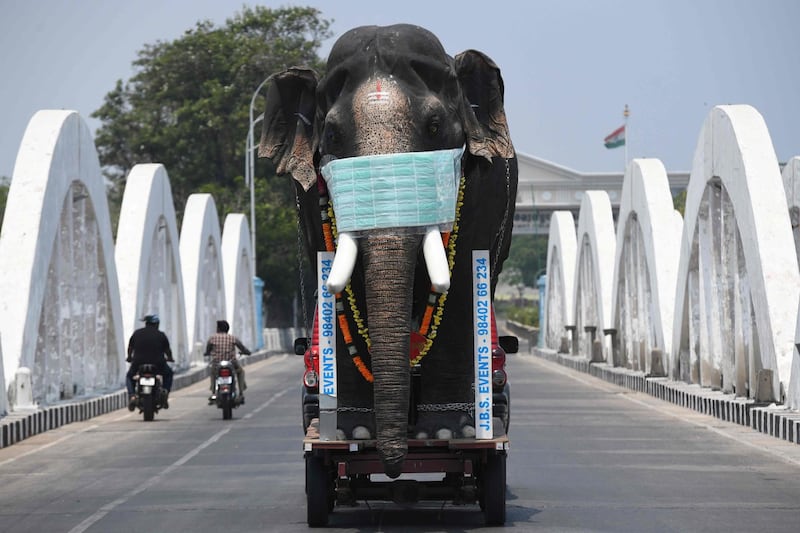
[(434, 308), (329, 233), (422, 340)]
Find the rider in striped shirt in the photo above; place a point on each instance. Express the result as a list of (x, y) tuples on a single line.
[(222, 346)]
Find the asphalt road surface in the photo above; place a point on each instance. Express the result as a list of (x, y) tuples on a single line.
[(585, 456)]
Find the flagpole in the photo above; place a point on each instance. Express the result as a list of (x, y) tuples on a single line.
[(625, 114)]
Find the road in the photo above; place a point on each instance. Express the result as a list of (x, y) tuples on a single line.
[(585, 456)]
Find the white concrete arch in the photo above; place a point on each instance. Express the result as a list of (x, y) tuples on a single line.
[(791, 184), (59, 297), (201, 263), (148, 257), (238, 271), (594, 269), (645, 266), (738, 282), (561, 252), (793, 390), (3, 396)]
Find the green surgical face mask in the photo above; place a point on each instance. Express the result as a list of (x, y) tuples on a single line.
[(413, 190)]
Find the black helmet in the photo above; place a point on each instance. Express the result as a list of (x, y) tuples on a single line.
[(151, 319)]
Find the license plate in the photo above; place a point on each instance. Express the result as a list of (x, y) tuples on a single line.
[(225, 380), (145, 381)]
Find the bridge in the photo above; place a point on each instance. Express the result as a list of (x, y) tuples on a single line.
[(690, 308), (708, 300), (72, 298)]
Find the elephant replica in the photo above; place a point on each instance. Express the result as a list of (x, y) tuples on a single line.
[(403, 165)]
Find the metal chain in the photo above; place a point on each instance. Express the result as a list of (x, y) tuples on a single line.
[(354, 410), (300, 264), (501, 232), (442, 407), (429, 408)]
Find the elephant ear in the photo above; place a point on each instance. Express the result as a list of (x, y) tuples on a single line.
[(484, 119), (287, 134)]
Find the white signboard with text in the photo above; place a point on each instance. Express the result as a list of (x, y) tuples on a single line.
[(482, 331), (326, 333)]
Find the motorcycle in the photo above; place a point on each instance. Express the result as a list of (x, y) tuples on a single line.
[(150, 394), (226, 390)]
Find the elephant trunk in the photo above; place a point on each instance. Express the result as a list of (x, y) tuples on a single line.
[(389, 260)]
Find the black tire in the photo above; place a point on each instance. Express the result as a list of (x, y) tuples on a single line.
[(227, 407), (501, 403), (310, 408), (507, 392), (310, 412), (494, 489), (148, 409), (317, 494)]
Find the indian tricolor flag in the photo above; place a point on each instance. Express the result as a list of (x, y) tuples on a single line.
[(616, 138)]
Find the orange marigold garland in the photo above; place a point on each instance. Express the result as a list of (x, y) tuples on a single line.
[(434, 308), (328, 231)]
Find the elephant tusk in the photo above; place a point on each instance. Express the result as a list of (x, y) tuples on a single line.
[(343, 263), (436, 260)]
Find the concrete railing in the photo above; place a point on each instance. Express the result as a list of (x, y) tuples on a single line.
[(527, 333), (20, 425), (772, 419), (709, 297), (57, 252)]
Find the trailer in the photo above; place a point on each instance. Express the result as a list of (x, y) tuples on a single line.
[(464, 472)]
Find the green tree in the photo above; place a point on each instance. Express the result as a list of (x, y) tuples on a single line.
[(527, 256), (187, 106), (679, 201), (526, 262), (4, 185)]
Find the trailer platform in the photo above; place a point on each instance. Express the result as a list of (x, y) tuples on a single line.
[(462, 471)]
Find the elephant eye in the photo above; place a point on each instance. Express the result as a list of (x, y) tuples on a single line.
[(330, 135), (433, 126)]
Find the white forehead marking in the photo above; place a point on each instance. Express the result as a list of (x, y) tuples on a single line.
[(382, 117), (379, 95)]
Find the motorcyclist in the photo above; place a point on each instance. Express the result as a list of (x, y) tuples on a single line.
[(222, 346), (149, 345)]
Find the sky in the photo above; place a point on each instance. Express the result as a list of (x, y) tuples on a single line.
[(569, 66)]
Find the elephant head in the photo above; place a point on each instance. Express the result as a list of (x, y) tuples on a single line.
[(391, 98)]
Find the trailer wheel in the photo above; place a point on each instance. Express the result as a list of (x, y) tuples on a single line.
[(494, 489), (317, 494)]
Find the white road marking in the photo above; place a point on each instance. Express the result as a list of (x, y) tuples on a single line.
[(103, 511), (266, 362)]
